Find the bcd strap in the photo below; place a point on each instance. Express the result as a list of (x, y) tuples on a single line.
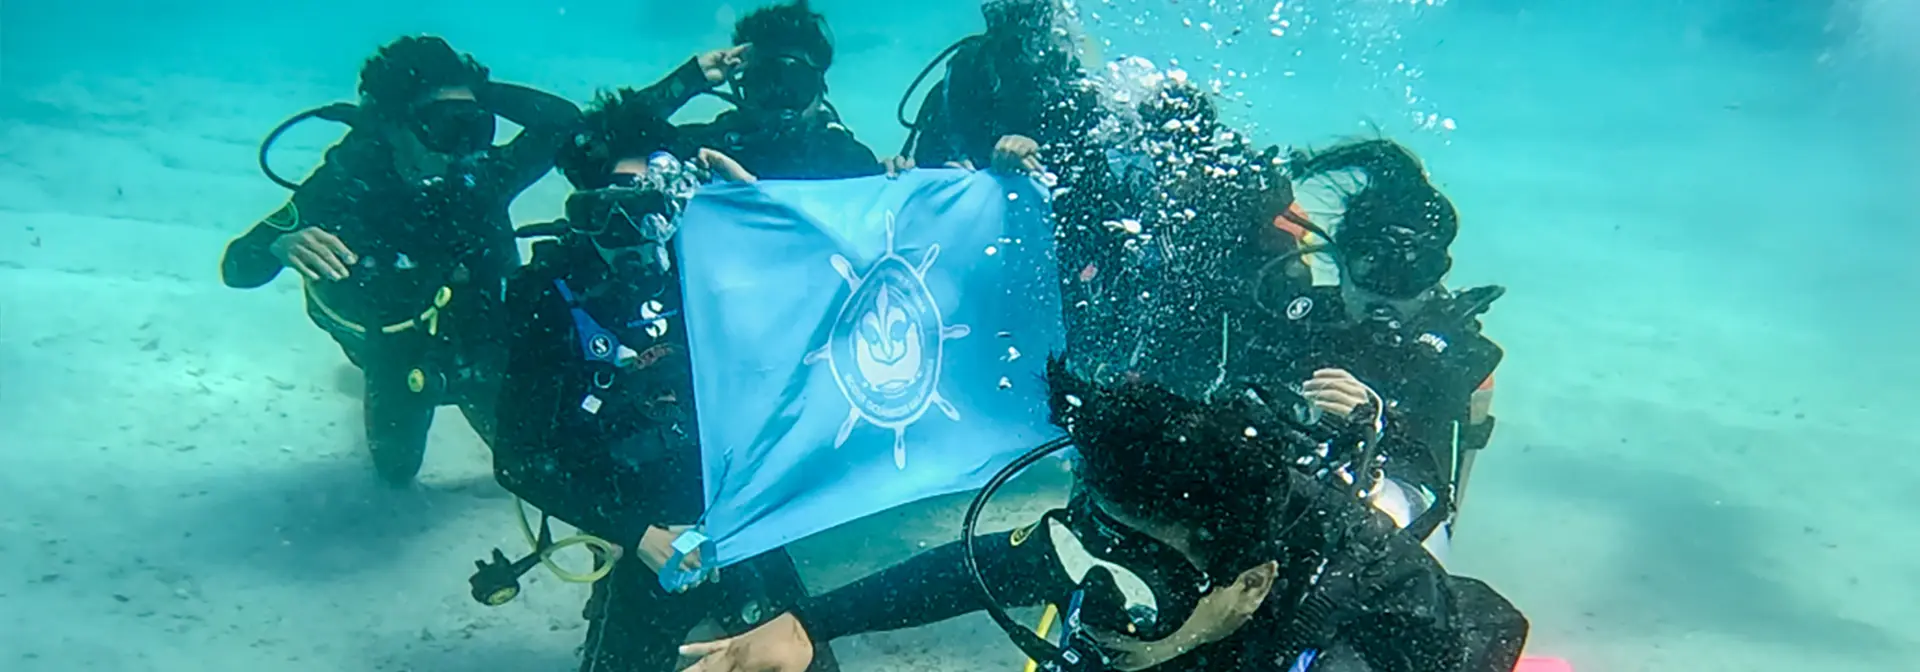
[(429, 317), (597, 343)]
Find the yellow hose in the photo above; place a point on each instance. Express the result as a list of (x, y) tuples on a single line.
[(604, 551), (1046, 624)]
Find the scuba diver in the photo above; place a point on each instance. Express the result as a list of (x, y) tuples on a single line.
[(1168, 239), (782, 126), (1192, 543), (402, 236), (1353, 291), (1018, 77), (597, 425)]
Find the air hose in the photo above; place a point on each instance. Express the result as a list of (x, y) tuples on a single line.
[(601, 549), (496, 581)]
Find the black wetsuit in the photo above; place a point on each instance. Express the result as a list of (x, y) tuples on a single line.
[(1383, 605), (1426, 366), (614, 449), (433, 256), (809, 148)]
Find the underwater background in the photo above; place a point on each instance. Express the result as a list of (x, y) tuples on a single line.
[(1703, 210)]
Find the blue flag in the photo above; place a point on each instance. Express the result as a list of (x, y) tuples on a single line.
[(862, 344)]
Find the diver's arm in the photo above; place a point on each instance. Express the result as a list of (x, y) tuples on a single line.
[(546, 120), (935, 586), (249, 261), (324, 200), (534, 110), (668, 95)]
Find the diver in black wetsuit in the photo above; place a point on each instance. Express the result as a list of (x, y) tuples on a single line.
[(1370, 305), (1173, 228), (1192, 545), (783, 127), (403, 239), (597, 425)]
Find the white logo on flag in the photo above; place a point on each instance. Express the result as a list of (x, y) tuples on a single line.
[(887, 344)]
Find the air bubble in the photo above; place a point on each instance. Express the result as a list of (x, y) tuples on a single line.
[(1013, 353), (1005, 384), (1073, 401), (1251, 432), (992, 250)]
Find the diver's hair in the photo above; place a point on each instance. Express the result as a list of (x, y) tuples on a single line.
[(617, 125), (1397, 191), (1168, 458), (791, 27), (410, 67)]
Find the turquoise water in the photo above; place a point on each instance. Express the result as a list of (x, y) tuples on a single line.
[(1700, 208)]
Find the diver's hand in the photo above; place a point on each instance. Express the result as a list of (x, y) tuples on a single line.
[(1336, 392), (779, 645), (1218, 615), (656, 549), (897, 165), (314, 253), (724, 166), (1017, 155), (721, 65)]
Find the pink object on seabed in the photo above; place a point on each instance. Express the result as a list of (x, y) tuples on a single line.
[(1533, 664)]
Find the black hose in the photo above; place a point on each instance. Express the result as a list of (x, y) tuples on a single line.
[(900, 112), (553, 229), (1030, 643), (344, 113)]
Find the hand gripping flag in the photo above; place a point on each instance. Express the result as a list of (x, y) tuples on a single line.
[(862, 344)]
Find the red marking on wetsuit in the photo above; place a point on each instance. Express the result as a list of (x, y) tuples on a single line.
[(1290, 220), (653, 355)]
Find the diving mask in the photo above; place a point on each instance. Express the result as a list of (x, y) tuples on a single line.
[(454, 126), (1395, 263), (635, 209), (782, 81), (1133, 585)]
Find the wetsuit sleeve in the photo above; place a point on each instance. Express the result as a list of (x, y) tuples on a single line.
[(679, 87), (935, 586), (248, 262), (546, 120), (324, 200), (568, 475)]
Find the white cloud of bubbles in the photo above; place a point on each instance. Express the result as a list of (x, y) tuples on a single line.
[(1354, 55)]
